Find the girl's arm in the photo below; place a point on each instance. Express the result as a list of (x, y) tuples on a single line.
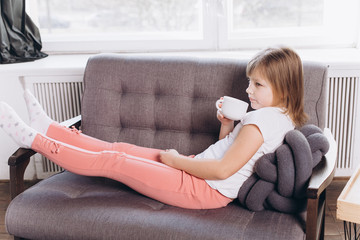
[(227, 125), (240, 152)]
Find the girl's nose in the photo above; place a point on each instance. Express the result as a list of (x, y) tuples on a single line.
[(249, 90)]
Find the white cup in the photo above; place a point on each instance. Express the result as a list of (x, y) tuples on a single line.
[(232, 108)]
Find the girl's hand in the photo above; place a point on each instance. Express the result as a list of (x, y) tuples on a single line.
[(224, 121), (169, 156), (227, 125)]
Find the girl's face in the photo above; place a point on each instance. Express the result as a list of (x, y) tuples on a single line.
[(260, 91)]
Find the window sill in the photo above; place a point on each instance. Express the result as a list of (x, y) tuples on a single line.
[(51, 65), (74, 64)]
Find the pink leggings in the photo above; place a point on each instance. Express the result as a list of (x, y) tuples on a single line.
[(137, 167)]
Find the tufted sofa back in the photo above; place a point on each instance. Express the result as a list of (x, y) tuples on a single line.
[(169, 102)]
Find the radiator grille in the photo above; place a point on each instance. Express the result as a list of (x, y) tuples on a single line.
[(61, 101), (342, 99)]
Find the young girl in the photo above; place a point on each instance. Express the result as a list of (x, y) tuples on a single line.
[(212, 178)]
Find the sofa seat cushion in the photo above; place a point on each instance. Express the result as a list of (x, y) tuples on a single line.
[(105, 209)]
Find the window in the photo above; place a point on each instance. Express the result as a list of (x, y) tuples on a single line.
[(156, 25), (85, 25), (119, 16), (302, 23), (250, 14)]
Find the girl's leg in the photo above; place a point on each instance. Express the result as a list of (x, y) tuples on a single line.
[(11, 123), (76, 138), (153, 179), (40, 121), (150, 178)]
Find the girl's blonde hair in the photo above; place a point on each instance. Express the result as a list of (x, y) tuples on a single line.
[(282, 67)]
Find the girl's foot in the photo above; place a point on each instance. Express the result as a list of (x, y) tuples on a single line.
[(11, 123), (39, 120)]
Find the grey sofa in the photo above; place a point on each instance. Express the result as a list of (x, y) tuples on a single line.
[(161, 102)]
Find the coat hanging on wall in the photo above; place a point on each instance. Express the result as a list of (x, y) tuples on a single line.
[(19, 36)]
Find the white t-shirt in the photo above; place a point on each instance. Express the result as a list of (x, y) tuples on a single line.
[(273, 125)]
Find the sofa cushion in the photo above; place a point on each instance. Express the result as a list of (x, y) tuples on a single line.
[(69, 206)]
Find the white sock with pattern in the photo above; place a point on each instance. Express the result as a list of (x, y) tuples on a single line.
[(39, 120), (11, 123)]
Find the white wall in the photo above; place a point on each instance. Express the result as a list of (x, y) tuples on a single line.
[(11, 92)]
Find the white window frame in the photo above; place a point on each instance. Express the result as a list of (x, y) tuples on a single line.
[(216, 35), (358, 38)]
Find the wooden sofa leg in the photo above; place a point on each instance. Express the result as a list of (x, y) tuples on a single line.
[(322, 228), (315, 223), (311, 222), (17, 178)]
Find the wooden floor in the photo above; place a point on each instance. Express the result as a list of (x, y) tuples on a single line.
[(333, 227), (4, 202)]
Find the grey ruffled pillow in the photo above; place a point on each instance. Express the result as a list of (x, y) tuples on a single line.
[(281, 178)]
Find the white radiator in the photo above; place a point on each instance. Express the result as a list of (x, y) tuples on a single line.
[(61, 96), (342, 118)]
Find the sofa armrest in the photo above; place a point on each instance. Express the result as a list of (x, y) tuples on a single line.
[(324, 172), (75, 121), (322, 176), (20, 159), (18, 162)]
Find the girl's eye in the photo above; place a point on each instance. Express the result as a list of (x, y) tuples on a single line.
[(258, 84)]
